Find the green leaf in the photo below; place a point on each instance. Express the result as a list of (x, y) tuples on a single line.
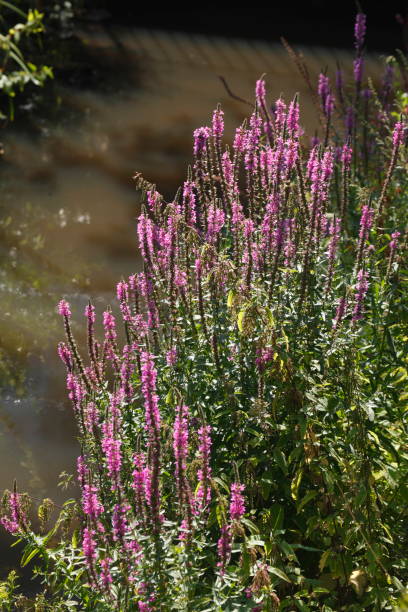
[(361, 496), (255, 542), (281, 460), (251, 525), (74, 540), (294, 487), (28, 555), (279, 573), (320, 591), (277, 516), (287, 550), (302, 606), (240, 320), (220, 515), (306, 499), (324, 558)]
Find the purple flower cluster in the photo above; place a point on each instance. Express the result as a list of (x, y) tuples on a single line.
[(180, 446), (361, 291), (64, 309), (359, 31), (149, 376), (16, 516), (91, 505), (203, 493), (237, 505)]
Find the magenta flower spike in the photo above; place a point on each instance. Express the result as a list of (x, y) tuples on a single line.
[(105, 575), (109, 325), (334, 231), (293, 118), (201, 136), (215, 222), (149, 376), (346, 156), (361, 292), (16, 519), (399, 133), (92, 417), (359, 31), (218, 123), (189, 203), (90, 313), (394, 242), (312, 163), (111, 446), (122, 291), (280, 113), (64, 309), (237, 505), (340, 312), (66, 356), (366, 221), (323, 88), (82, 470), (228, 169), (291, 154), (240, 140), (203, 495), (89, 546), (119, 521), (358, 66), (260, 92), (91, 505), (180, 445), (329, 105), (224, 548), (171, 356)]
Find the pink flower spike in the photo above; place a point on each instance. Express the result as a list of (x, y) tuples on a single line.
[(65, 355), (323, 87), (224, 548), (361, 292), (260, 92), (358, 69), (237, 505), (359, 30), (394, 241), (122, 291), (201, 136), (280, 113), (398, 135), (340, 312), (293, 117), (90, 313), (218, 123), (64, 309), (89, 546), (171, 356)]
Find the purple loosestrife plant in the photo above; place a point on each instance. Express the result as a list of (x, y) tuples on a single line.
[(270, 304)]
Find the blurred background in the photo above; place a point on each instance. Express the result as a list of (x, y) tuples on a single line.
[(129, 88)]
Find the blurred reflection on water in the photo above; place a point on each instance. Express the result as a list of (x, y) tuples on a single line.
[(68, 209)]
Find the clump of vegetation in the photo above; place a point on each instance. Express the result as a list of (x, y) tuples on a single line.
[(245, 449), (16, 43)]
